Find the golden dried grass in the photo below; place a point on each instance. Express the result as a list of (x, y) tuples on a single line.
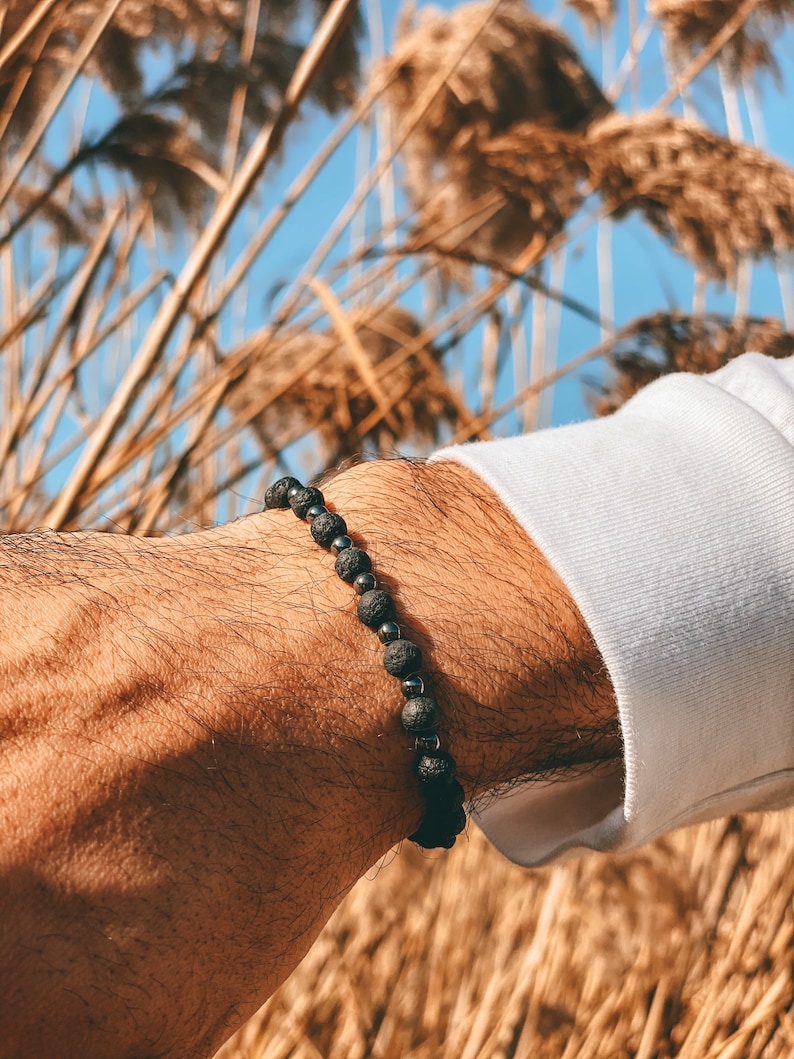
[(689, 25), (664, 342), (716, 200), (169, 139), (595, 13), (314, 381), (683, 949), (519, 69)]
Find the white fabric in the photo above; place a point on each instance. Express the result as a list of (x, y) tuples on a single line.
[(672, 523)]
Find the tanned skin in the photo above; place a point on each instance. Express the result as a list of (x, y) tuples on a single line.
[(200, 752)]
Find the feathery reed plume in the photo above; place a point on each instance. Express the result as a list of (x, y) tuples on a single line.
[(68, 222), (310, 379), (662, 343), (717, 200), (541, 167), (163, 132), (689, 25), (519, 69), (594, 13), (165, 163)]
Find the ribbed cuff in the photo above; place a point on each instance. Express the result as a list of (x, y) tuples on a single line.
[(672, 524)]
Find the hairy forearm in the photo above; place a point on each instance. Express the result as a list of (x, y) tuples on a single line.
[(201, 750)]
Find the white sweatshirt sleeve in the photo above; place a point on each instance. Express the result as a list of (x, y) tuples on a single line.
[(672, 524)]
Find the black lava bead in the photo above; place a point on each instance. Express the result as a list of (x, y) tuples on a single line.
[(352, 562), (375, 607), (303, 499), (402, 658), (420, 714), (327, 527), (440, 827), (432, 834), (276, 495), (436, 767), (365, 583), (413, 686), (451, 797)]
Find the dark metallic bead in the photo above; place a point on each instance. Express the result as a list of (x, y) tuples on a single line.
[(420, 714), (328, 527), (302, 499), (388, 632), (428, 741), (277, 495), (413, 686), (352, 562), (374, 608), (293, 489), (315, 511), (365, 582), (435, 767), (402, 658), (341, 543)]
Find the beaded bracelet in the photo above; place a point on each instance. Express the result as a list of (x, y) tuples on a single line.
[(444, 817)]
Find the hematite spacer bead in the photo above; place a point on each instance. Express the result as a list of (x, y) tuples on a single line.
[(303, 499), (427, 741), (341, 543), (277, 495), (374, 608), (365, 583), (413, 686), (327, 528), (420, 714), (402, 658), (436, 767), (388, 632), (352, 562), (315, 511)]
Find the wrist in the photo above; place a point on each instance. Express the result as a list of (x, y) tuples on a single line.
[(519, 680)]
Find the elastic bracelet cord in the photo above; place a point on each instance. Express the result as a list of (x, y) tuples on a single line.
[(444, 817)]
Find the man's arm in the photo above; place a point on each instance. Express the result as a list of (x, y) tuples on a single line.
[(201, 751)]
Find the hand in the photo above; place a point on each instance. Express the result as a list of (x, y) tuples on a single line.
[(200, 750)]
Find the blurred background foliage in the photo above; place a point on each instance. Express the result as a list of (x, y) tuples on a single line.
[(245, 236), (239, 236)]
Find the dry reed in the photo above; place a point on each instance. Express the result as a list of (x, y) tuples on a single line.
[(666, 342), (716, 200), (595, 13), (313, 380), (519, 69), (169, 137), (683, 949), (689, 25)]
